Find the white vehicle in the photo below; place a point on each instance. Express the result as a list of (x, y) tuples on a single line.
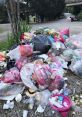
[(70, 16)]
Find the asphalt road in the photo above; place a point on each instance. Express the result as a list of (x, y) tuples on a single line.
[(6, 30), (75, 27)]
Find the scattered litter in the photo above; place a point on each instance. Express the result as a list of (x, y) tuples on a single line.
[(8, 105), (40, 109), (39, 66), (25, 113), (18, 98)]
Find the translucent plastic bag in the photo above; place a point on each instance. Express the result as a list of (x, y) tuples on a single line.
[(77, 54), (20, 51), (26, 75), (62, 62), (57, 83), (9, 92), (11, 76), (57, 69), (51, 56), (43, 97), (67, 54), (21, 62), (76, 67), (58, 45), (74, 42), (42, 74)]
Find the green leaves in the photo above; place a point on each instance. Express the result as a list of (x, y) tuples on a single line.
[(48, 8)]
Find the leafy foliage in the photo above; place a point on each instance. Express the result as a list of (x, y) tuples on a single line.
[(8, 43), (77, 9), (50, 9), (11, 40), (3, 12), (80, 16)]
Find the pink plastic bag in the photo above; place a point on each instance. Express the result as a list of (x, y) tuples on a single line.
[(11, 76), (64, 34), (65, 109), (57, 83), (21, 62), (61, 39), (64, 31), (42, 74), (25, 50), (20, 51), (51, 56)]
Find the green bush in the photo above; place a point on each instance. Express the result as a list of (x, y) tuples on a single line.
[(80, 16), (24, 27), (10, 41)]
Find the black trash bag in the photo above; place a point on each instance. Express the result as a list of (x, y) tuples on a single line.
[(41, 43), (10, 63)]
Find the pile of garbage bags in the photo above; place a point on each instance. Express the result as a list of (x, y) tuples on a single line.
[(37, 66)]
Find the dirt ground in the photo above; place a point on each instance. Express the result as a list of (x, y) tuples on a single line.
[(75, 84)]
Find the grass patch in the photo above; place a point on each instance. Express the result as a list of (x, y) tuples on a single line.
[(7, 44), (10, 41), (80, 16), (24, 27)]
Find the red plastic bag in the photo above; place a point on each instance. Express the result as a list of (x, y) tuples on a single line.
[(20, 51), (11, 76), (25, 50), (22, 37)]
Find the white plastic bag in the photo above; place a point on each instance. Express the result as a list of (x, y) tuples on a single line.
[(8, 105), (25, 113), (40, 109), (76, 67), (26, 75), (62, 61), (43, 97), (74, 42), (67, 54), (9, 92), (58, 45), (77, 54)]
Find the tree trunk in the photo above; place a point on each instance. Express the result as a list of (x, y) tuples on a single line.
[(13, 11)]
